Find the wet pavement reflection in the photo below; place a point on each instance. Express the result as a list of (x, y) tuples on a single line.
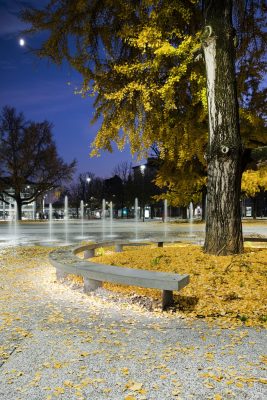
[(73, 231)]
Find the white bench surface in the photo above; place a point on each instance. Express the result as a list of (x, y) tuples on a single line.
[(66, 261)]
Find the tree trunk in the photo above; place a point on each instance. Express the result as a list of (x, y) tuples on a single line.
[(19, 209), (223, 217), (184, 212), (254, 207)]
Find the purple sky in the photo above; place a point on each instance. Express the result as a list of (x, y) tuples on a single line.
[(42, 91)]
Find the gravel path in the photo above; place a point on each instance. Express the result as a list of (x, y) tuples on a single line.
[(57, 343)]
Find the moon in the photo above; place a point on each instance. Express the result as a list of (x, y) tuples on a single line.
[(21, 42)]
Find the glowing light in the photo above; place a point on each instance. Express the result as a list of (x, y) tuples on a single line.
[(142, 168), (21, 42)]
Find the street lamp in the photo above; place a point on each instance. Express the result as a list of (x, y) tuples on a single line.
[(142, 169), (88, 180), (44, 203)]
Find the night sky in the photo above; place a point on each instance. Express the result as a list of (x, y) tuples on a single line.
[(42, 91)]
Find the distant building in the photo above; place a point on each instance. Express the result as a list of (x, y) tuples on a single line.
[(8, 204)]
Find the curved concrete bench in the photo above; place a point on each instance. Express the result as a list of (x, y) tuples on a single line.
[(66, 262)]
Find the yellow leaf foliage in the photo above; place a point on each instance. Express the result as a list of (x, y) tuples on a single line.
[(254, 181), (221, 287)]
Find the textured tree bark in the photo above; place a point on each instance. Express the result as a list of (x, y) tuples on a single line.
[(19, 209), (223, 215)]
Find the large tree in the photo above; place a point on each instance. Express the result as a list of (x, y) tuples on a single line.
[(28, 157), (142, 60)]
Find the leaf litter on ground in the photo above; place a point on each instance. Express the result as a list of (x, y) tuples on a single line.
[(221, 287)]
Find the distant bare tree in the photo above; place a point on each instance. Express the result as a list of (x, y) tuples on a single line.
[(74, 193), (28, 156), (86, 187), (123, 170)]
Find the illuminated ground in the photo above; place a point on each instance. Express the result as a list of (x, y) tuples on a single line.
[(57, 343)]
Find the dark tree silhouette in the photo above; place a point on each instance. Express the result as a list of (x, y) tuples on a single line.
[(28, 156)]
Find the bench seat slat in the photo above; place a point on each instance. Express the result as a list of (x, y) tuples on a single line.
[(136, 277), (130, 276)]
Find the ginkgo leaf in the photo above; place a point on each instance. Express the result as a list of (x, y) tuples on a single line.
[(125, 371), (58, 390), (84, 354), (68, 383), (57, 365), (135, 386)]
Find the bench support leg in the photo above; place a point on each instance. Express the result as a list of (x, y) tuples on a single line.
[(61, 275), (90, 285), (118, 248), (89, 253), (167, 299)]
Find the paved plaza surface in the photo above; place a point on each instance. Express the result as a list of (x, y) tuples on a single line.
[(58, 343)]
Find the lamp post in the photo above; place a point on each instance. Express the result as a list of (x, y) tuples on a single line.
[(142, 169), (88, 180), (44, 204)]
